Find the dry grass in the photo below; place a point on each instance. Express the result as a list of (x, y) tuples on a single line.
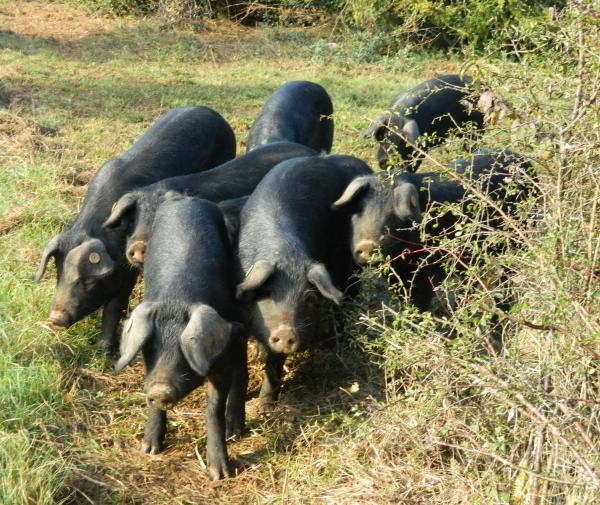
[(106, 436), (72, 31), (49, 20), (76, 89)]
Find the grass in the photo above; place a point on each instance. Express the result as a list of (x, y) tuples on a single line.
[(389, 417)]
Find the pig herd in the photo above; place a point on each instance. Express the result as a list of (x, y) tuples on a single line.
[(258, 245)]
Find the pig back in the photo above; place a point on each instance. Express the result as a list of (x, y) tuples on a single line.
[(188, 256), (183, 141), (292, 206)]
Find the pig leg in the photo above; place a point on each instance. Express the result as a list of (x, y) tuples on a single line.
[(111, 315), (235, 413), (216, 448), (269, 392), (154, 434)]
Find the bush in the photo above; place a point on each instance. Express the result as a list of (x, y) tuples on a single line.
[(435, 24), (508, 397), (447, 24), (248, 12)]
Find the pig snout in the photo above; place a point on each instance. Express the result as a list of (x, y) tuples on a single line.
[(363, 251), (283, 340), (161, 396), (59, 318), (135, 253)]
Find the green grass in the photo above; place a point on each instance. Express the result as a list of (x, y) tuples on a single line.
[(30, 471), (364, 422), (96, 95)]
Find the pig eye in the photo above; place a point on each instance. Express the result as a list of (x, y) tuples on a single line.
[(310, 296), (261, 293), (357, 208)]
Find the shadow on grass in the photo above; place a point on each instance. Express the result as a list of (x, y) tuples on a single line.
[(120, 98), (125, 42), (138, 42)]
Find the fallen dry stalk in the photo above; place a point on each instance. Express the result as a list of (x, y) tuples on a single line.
[(534, 413)]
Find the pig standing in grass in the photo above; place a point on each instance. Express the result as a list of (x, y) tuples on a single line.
[(233, 179), (293, 253), (186, 328), (384, 213), (422, 118), (91, 268), (299, 111)]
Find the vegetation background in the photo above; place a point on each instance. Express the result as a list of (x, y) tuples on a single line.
[(468, 405)]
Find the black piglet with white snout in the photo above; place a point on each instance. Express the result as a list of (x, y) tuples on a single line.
[(186, 326)]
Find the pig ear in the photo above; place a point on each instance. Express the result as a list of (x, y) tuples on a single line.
[(49, 251), (319, 276), (406, 202), (255, 277), (123, 206), (136, 332), (205, 338), (356, 188), (410, 131)]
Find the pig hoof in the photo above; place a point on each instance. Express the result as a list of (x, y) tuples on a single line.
[(234, 427), (152, 448), (267, 406), (218, 472), (235, 431), (106, 346)]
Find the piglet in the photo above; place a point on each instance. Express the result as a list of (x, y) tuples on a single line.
[(186, 328)]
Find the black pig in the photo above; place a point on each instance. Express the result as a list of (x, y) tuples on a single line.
[(383, 213), (299, 111), (293, 248), (233, 179), (231, 210), (186, 328), (91, 268), (423, 117)]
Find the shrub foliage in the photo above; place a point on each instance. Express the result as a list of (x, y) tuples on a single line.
[(510, 394), (433, 23)]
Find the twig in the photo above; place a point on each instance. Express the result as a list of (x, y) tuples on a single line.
[(538, 443), (534, 413), (523, 322), (591, 228), (199, 456), (94, 481), (586, 9), (567, 412), (506, 462), (580, 74)]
